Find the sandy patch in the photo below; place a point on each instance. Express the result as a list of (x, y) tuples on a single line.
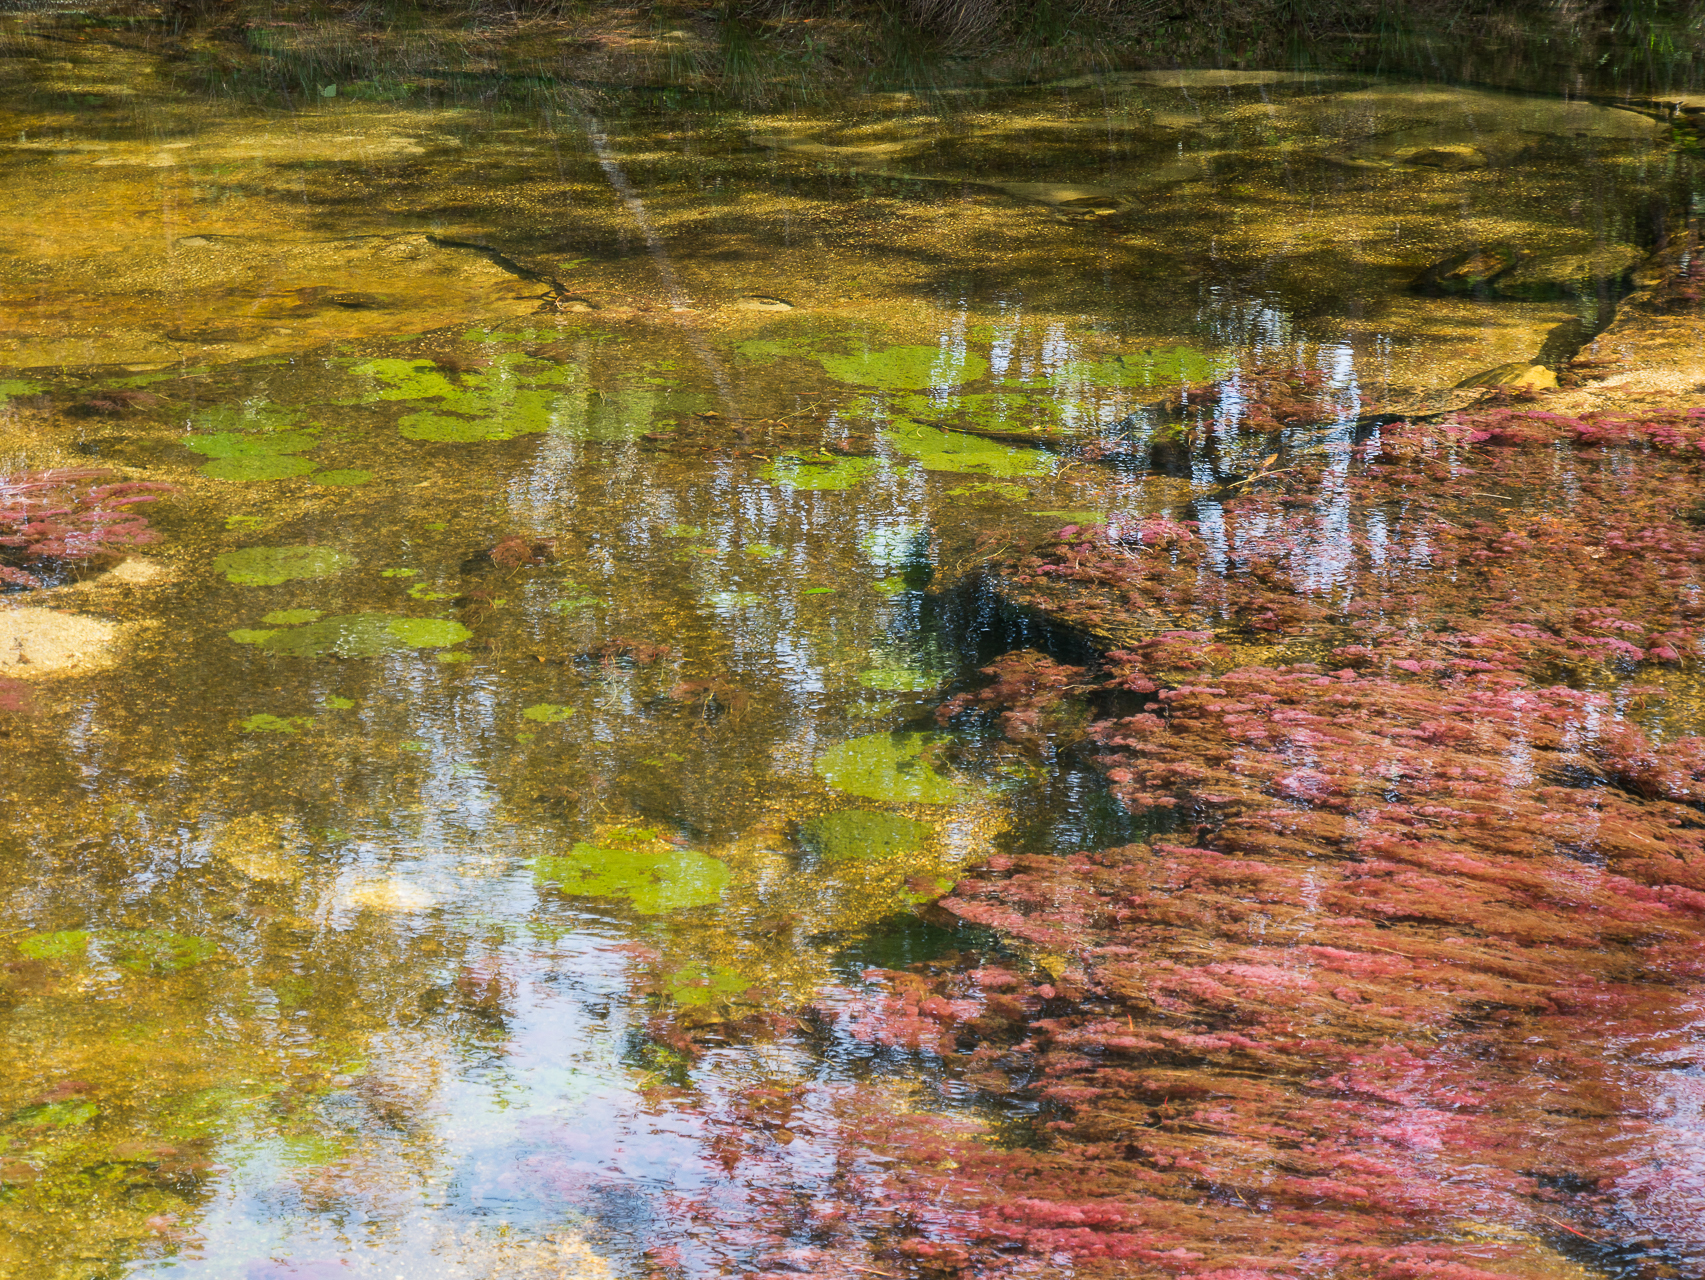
[(260, 847), (388, 895), (48, 641), (138, 572)]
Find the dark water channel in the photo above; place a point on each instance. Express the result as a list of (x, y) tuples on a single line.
[(561, 569)]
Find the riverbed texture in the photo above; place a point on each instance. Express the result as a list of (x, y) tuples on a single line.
[(623, 663)]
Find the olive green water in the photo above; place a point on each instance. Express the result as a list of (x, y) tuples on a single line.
[(345, 883)]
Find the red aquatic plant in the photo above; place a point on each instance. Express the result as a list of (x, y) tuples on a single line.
[(517, 550), (1550, 543), (1027, 687), (16, 697), (1379, 1011), (54, 522), (1396, 996)]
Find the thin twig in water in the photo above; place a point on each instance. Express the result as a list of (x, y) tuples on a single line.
[(1571, 1230)]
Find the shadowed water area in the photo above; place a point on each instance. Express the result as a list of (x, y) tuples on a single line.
[(1075, 678)]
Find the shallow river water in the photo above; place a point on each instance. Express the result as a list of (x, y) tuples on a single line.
[(456, 846)]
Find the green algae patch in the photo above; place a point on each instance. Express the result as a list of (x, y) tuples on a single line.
[(405, 380), (357, 635), (428, 633), (905, 368), (580, 598), (140, 950), (336, 703), (1159, 366), (547, 712), (66, 944), (345, 478), (265, 722), (269, 566), (230, 444), (250, 635), (398, 573), (57, 1115), (684, 531), (893, 767), (937, 450), (443, 428), (655, 877), (513, 396), (1075, 517), (155, 951), (10, 387), (266, 466), (894, 673), (703, 984), (853, 834), (990, 492), (843, 473), (292, 617)]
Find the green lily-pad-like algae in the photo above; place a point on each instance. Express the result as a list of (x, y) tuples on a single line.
[(517, 396), (356, 635), (843, 473), (905, 368), (937, 450), (895, 767), (251, 446), (265, 466), (704, 984), (859, 833), (653, 876), (269, 566)]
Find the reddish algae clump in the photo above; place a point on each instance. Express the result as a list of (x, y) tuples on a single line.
[(1394, 998)]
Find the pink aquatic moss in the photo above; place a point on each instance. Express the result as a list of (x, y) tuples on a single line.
[(51, 521)]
